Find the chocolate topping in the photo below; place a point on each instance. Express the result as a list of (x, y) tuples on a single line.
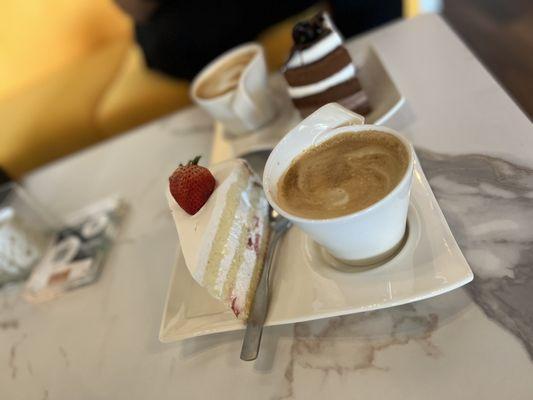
[(305, 33)]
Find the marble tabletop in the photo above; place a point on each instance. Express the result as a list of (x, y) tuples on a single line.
[(476, 148)]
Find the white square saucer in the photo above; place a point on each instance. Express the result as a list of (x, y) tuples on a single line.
[(306, 284)]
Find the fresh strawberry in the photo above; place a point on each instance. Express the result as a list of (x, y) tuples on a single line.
[(191, 185)]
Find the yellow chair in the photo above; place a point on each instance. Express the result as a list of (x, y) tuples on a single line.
[(137, 95), (55, 116), (71, 75)]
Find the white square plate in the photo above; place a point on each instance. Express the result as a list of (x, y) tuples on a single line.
[(306, 286)]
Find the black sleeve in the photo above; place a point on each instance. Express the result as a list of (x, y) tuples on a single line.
[(182, 36)]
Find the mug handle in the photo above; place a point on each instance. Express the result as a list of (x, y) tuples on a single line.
[(246, 109), (357, 120), (328, 118), (253, 112)]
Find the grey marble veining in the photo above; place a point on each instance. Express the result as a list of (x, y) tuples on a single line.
[(351, 343), (488, 203)]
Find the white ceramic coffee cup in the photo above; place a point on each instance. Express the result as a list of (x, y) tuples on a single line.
[(249, 105), (360, 238)]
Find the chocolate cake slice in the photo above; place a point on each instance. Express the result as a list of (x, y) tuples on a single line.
[(320, 70)]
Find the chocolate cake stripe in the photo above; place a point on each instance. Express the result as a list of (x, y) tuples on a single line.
[(330, 64), (340, 91), (337, 78)]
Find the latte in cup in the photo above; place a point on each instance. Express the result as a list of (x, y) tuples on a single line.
[(234, 89), (345, 184), (342, 175), (225, 77)]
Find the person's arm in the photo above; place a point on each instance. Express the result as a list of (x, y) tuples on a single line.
[(180, 37)]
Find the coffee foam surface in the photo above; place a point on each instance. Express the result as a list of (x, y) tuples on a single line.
[(225, 77), (342, 175)]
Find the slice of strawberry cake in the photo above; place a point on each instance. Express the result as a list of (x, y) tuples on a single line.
[(221, 215)]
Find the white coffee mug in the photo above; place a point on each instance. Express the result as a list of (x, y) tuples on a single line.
[(248, 105), (360, 238)]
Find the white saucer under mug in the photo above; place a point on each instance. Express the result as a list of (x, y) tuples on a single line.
[(305, 287)]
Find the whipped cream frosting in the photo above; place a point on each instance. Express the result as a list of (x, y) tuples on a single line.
[(197, 232), (320, 49), (233, 240), (337, 78), (317, 51)]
